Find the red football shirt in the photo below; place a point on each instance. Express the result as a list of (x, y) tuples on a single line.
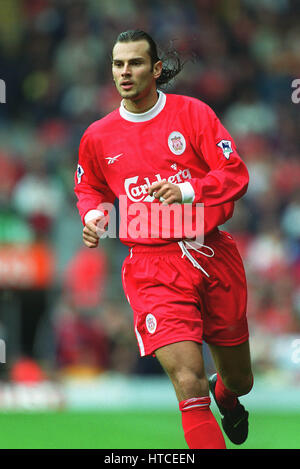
[(180, 139)]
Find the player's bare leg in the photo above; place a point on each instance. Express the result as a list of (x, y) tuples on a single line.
[(183, 362), (234, 366), (234, 378)]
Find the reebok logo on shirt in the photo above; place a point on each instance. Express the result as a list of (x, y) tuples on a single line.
[(113, 159)]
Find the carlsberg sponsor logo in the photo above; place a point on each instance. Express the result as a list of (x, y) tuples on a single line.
[(138, 219), (138, 192)]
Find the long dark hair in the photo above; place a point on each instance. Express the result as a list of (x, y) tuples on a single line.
[(172, 63)]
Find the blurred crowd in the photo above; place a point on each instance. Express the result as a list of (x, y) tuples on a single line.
[(64, 307)]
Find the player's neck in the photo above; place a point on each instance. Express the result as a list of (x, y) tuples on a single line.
[(143, 104)]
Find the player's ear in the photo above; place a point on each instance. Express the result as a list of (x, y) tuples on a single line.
[(157, 69)]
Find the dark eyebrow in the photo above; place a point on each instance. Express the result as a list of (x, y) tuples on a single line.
[(140, 59)]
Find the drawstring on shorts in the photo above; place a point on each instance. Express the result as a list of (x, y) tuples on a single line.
[(185, 246)]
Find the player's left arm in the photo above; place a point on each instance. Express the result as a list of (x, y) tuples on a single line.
[(227, 179), (166, 192)]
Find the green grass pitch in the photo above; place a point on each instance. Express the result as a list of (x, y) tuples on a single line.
[(131, 430)]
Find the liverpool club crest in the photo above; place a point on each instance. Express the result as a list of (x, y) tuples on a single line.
[(176, 142), (151, 323)]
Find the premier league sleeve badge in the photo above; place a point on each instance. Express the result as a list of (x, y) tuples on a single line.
[(80, 173), (225, 146)]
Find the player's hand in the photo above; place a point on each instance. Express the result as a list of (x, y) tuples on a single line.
[(93, 231), (166, 192)]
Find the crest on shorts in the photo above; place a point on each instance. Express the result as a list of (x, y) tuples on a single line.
[(151, 323), (176, 142), (225, 146)]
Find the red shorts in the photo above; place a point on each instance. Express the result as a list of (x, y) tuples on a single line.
[(174, 301)]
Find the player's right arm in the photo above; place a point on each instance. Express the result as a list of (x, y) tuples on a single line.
[(91, 233), (92, 192)]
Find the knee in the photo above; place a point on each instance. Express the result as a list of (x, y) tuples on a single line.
[(240, 384), (188, 384)]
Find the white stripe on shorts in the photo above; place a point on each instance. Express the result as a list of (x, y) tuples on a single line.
[(140, 342)]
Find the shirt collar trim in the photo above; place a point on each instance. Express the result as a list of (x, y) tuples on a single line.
[(144, 116)]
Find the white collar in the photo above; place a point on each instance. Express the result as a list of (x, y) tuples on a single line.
[(144, 116)]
